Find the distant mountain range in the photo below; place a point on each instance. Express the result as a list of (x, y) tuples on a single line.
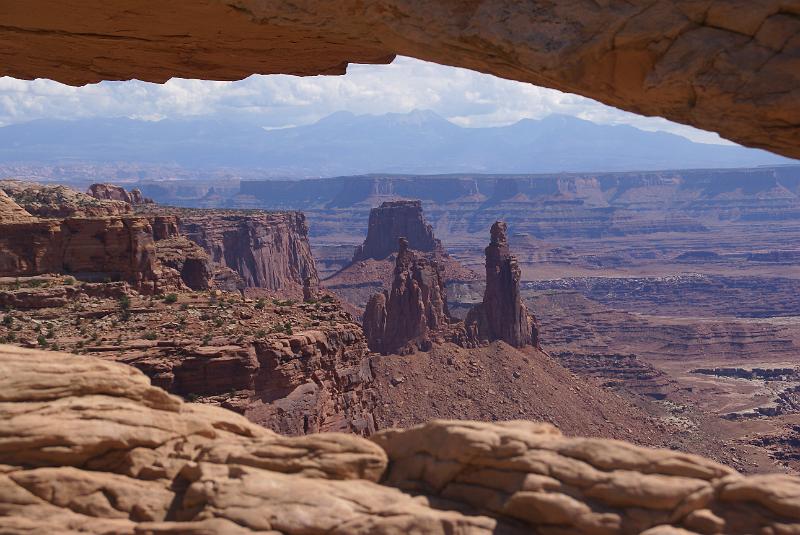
[(344, 143)]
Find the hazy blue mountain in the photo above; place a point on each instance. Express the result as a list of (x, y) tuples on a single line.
[(343, 144)]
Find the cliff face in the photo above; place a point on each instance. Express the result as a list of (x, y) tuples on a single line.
[(91, 446), (502, 315), (119, 248), (267, 250), (406, 317), (391, 221)]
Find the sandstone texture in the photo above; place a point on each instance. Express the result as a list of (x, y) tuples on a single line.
[(391, 221), (116, 248), (502, 315), (408, 316), (188, 259), (268, 250), (90, 446), (730, 67)]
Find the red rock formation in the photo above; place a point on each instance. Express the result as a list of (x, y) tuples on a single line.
[(268, 250), (410, 315), (391, 221), (188, 259), (110, 192), (117, 248), (502, 315)]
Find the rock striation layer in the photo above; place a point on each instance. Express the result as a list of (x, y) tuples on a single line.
[(90, 446), (502, 315), (408, 316), (730, 67), (391, 221), (268, 250)]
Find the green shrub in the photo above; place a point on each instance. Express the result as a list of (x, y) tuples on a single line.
[(150, 335), (124, 302), (261, 303), (41, 340), (8, 320), (69, 281), (170, 298)]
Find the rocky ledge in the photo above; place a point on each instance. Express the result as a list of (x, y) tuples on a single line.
[(90, 446)]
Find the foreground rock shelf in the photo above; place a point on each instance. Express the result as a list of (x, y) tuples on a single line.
[(91, 446)]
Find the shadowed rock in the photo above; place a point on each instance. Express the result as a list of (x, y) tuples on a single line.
[(502, 315), (409, 315), (391, 221)]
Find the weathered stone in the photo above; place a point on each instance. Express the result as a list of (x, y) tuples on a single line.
[(268, 250), (409, 316), (391, 221), (502, 315), (90, 446)]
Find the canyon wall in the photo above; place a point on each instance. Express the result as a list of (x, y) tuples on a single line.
[(118, 248), (729, 67), (267, 250)]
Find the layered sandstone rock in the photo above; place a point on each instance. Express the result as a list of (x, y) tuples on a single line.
[(117, 248), (188, 259), (502, 315), (391, 221), (112, 192), (268, 250), (90, 446), (408, 316), (730, 67)]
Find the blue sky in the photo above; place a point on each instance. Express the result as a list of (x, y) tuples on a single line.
[(464, 97)]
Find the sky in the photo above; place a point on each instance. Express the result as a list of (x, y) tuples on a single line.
[(467, 98)]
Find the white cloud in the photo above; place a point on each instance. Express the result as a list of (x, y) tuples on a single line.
[(465, 97)]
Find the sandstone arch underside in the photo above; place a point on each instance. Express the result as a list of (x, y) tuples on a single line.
[(730, 66)]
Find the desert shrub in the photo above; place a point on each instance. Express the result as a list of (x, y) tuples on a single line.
[(8, 320), (150, 335), (170, 298), (206, 339), (41, 340), (124, 302), (261, 303), (69, 281)]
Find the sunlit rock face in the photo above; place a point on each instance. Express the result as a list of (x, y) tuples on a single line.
[(731, 67), (90, 446), (502, 315)]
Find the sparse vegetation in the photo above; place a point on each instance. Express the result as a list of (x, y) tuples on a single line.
[(150, 335), (171, 298), (69, 281), (41, 340), (261, 303), (206, 339)]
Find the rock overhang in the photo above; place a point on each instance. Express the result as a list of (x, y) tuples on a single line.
[(731, 67)]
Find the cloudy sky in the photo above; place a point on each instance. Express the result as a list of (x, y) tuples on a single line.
[(466, 98)]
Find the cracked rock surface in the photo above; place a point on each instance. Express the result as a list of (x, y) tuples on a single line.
[(90, 446), (729, 66)]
